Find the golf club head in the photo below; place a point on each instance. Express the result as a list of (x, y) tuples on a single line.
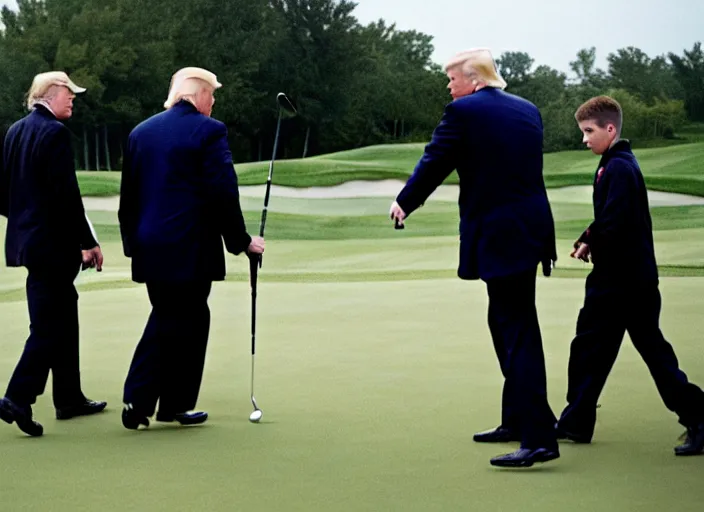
[(285, 103), (257, 413)]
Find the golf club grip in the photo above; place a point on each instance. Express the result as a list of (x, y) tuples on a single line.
[(268, 189), (263, 222), (398, 225)]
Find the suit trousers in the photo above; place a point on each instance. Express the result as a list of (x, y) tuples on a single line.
[(53, 342), (515, 330), (168, 362), (608, 312)]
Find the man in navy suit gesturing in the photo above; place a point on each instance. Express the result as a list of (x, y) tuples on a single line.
[(495, 142), (179, 201)]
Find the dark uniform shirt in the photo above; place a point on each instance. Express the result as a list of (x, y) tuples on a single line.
[(621, 237)]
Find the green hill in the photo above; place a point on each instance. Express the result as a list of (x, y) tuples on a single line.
[(669, 169)]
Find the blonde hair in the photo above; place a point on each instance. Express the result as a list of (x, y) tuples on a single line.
[(186, 83), (187, 89), (45, 86), (43, 93), (478, 64)]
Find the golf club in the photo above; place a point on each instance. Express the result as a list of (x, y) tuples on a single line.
[(255, 260)]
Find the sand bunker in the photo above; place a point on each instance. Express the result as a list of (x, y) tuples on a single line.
[(390, 188)]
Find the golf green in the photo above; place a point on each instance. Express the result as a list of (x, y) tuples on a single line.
[(371, 392), (374, 365)]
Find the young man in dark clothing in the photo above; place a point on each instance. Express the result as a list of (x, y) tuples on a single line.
[(622, 289)]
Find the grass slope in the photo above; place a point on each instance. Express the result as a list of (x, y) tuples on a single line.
[(669, 169)]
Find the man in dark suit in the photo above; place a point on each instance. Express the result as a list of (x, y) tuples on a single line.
[(494, 141), (179, 200), (49, 234)]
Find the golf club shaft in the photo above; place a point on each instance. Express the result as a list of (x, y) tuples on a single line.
[(256, 262), (269, 178), (253, 282), (251, 385)]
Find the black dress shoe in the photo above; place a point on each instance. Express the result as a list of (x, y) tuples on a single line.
[(575, 437), (524, 457), (184, 418), (10, 412), (132, 419), (85, 408), (498, 435), (694, 443)]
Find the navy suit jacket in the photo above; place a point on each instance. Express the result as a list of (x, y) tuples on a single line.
[(39, 195), (179, 198), (495, 142)]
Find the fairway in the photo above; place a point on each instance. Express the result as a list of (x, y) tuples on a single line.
[(374, 369), (371, 392)]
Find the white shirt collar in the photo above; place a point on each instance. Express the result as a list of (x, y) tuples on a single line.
[(45, 105)]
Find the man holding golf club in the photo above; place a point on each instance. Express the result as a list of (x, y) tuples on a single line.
[(179, 201), (494, 140)]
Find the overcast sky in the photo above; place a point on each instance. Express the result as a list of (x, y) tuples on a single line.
[(551, 31)]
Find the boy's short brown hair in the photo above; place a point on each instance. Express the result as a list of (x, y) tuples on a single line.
[(602, 110)]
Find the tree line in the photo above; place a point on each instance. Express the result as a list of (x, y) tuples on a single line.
[(353, 84)]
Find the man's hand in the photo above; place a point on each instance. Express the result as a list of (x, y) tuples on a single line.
[(256, 246), (93, 258), (397, 214), (580, 251)]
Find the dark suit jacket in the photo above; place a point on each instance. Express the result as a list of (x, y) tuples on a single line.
[(622, 229), (39, 195), (494, 140), (179, 198)]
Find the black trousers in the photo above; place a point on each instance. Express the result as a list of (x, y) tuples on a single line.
[(53, 340), (607, 314), (168, 363), (515, 330)]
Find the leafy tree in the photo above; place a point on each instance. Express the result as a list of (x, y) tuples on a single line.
[(689, 71)]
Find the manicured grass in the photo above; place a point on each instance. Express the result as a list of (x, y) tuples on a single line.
[(435, 219), (99, 184), (371, 392), (374, 369), (669, 169)]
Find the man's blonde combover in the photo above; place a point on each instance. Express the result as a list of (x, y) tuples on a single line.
[(478, 64), (186, 83)]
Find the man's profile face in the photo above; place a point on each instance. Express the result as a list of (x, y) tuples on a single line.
[(596, 138), (61, 103), (459, 83)]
